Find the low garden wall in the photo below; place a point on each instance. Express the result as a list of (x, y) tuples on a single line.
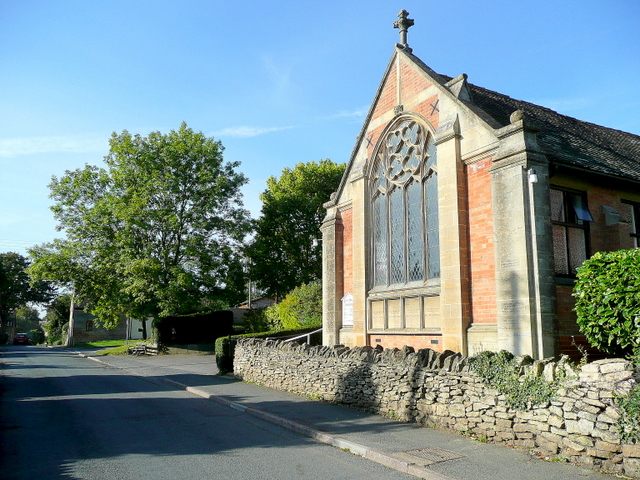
[(578, 423)]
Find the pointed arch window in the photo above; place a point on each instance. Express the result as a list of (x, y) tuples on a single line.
[(404, 201)]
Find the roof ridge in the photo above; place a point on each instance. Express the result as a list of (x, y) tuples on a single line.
[(553, 111)]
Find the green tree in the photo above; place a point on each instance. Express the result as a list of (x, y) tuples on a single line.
[(56, 319), (154, 233), (607, 294), (16, 288), (300, 308), (27, 319), (285, 252)]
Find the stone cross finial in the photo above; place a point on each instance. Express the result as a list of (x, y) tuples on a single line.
[(403, 23)]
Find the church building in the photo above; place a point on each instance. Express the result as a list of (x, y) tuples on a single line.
[(463, 215)]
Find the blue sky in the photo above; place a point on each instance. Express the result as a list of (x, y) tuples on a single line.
[(277, 82)]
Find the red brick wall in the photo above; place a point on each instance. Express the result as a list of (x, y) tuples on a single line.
[(388, 97), (426, 109), (568, 330), (606, 238), (412, 81), (482, 258), (347, 252)]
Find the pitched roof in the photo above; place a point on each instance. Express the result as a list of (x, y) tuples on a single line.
[(568, 141), (565, 140)]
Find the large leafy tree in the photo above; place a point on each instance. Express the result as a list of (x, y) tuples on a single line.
[(154, 233), (285, 252), (27, 319), (16, 289)]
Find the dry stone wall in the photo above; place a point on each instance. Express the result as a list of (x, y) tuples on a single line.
[(439, 389)]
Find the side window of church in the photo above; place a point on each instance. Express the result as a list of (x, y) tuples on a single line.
[(404, 186), (632, 215), (570, 219), (89, 325)]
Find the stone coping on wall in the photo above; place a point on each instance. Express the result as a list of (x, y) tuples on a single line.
[(580, 423)]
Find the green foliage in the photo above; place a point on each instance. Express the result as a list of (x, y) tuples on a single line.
[(56, 320), (629, 422), (629, 404), (16, 288), (607, 294), (154, 234), (299, 309), (27, 318), (283, 253), (256, 321), (502, 371)]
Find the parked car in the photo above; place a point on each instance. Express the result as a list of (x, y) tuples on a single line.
[(21, 339)]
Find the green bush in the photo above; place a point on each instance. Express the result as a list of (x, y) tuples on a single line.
[(629, 423), (256, 321), (607, 294), (37, 336), (301, 308)]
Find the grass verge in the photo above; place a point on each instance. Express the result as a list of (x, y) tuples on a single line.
[(102, 344), (119, 350)]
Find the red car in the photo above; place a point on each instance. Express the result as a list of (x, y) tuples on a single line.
[(21, 339)]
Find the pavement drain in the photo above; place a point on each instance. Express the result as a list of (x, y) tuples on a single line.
[(431, 455)]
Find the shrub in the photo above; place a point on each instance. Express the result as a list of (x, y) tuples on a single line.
[(502, 371), (37, 336), (607, 294), (255, 320), (301, 308), (629, 423)]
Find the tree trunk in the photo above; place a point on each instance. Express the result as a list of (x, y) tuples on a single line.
[(69, 342), (144, 328)]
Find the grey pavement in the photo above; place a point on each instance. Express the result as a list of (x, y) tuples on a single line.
[(416, 450)]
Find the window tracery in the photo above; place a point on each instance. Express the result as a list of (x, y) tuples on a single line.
[(404, 200)]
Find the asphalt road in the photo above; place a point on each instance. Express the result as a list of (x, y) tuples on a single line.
[(63, 416)]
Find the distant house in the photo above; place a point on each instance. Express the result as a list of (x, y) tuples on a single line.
[(242, 308), (259, 302), (463, 215), (86, 330)]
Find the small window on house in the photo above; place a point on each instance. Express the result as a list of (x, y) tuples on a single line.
[(570, 218), (89, 325), (632, 215)]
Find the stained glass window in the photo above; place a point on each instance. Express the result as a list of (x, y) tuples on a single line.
[(404, 192)]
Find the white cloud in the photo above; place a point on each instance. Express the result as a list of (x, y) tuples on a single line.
[(358, 113), (13, 147), (246, 132)]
